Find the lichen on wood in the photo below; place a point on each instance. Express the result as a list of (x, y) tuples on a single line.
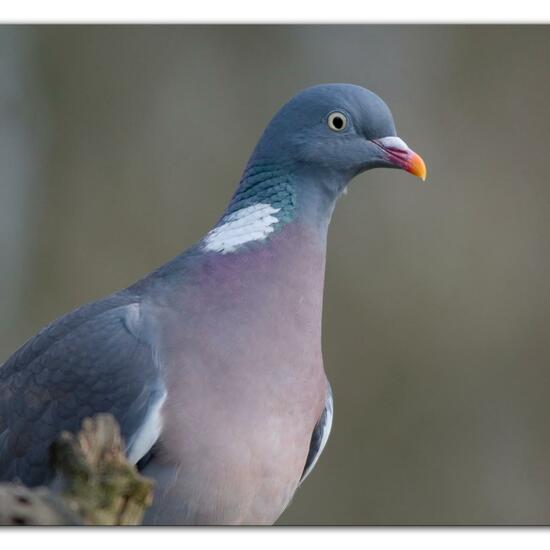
[(94, 485), (20, 505)]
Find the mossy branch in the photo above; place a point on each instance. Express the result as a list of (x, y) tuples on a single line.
[(95, 484)]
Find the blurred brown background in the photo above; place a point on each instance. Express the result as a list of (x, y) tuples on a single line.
[(119, 147)]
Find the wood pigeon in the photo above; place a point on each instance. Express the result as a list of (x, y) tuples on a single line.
[(212, 363)]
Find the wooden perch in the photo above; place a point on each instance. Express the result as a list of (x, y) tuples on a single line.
[(20, 505), (95, 484)]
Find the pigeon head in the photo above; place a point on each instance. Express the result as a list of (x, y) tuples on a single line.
[(334, 132), (313, 147)]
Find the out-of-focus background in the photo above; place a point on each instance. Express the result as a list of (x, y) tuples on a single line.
[(119, 147)]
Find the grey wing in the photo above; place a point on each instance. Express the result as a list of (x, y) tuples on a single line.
[(319, 437), (93, 360)]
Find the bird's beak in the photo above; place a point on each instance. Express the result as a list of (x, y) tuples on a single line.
[(398, 155)]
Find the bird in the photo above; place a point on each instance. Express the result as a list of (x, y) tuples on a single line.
[(212, 363)]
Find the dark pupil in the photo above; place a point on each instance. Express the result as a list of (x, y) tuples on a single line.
[(338, 122)]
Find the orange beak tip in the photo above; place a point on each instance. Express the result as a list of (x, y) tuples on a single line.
[(417, 167)]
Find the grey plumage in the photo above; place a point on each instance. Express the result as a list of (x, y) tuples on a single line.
[(319, 436), (86, 362), (212, 364)]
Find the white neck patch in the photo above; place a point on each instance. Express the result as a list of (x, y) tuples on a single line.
[(253, 223)]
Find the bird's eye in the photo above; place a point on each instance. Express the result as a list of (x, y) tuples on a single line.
[(337, 121)]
